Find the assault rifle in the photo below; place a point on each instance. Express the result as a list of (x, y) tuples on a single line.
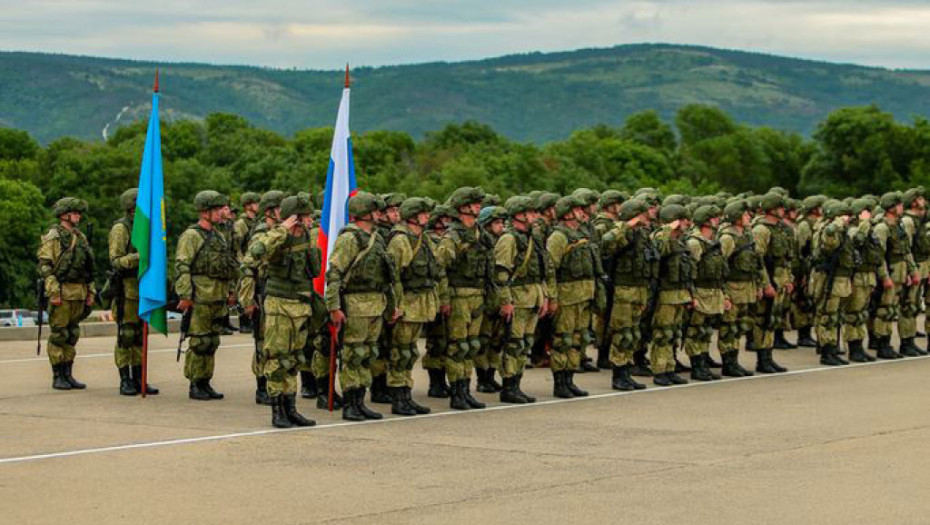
[(42, 301), (185, 327)]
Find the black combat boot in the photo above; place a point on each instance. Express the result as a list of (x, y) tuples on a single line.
[(587, 365), (828, 356), (58, 378), (640, 365), (918, 349), (885, 351), (350, 411), (307, 385), (781, 343), (731, 367), (517, 381), (437, 383), (295, 417), (245, 324), (399, 405), (662, 379), (279, 418), (472, 402), (778, 368), (482, 384), (857, 353), (709, 361), (208, 388), (559, 385), (126, 388), (261, 391), (874, 341), (408, 398), (75, 384), (379, 390), (699, 371), (804, 338), (621, 380), (457, 397), (197, 393), (572, 387), (509, 393), (908, 348), (677, 379), (136, 372), (322, 394), (603, 357), (764, 362), (489, 377), (360, 404)]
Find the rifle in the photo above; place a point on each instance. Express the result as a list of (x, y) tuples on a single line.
[(42, 301), (185, 327), (259, 298), (768, 315)]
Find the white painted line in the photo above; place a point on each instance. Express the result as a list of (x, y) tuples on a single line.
[(263, 432), (109, 354)]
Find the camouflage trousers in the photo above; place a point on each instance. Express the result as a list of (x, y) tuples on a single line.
[(64, 330), (855, 309), (519, 342), (128, 349), (888, 312), (379, 365), (286, 331), (667, 324), (763, 331), (572, 336), (404, 353), (436, 336), (204, 340), (735, 323), (258, 358), (802, 310), (359, 349), (492, 342), (464, 336), (700, 331), (625, 320)]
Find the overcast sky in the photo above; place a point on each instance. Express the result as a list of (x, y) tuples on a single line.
[(326, 34)]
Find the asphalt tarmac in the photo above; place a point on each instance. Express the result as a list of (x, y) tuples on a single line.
[(817, 445)]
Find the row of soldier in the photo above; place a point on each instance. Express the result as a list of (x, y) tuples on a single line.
[(489, 287)]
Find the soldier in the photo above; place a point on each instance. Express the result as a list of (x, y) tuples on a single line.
[(855, 309), (291, 262), (436, 330), (903, 272), (242, 230), (603, 222), (488, 359), (544, 206), (803, 304), (358, 290), (225, 228), (833, 264), (676, 269), (421, 291), (572, 292), (316, 351), (66, 265), (204, 267), (251, 287), (745, 281), (710, 291), (914, 222), (590, 198), (124, 260), (520, 273), (386, 217), (641, 365), (632, 266), (773, 244), (468, 269)]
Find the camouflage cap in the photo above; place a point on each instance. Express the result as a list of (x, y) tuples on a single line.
[(611, 197), (890, 200), (673, 212), (270, 199), (363, 203), (518, 204), (127, 200), (208, 200), (735, 210), (464, 196), (69, 205), (704, 213), (393, 199), (489, 214), (249, 197), (632, 208), (413, 206)]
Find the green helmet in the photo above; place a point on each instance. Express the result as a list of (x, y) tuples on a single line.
[(890, 200), (632, 208), (704, 213), (412, 206), (249, 197), (68, 205), (295, 205), (309, 198), (911, 195), (859, 205), (770, 201), (127, 200), (271, 199), (464, 196), (393, 199), (780, 191), (363, 203), (673, 212), (611, 197), (489, 214), (518, 204), (441, 210), (490, 200), (208, 200), (680, 200), (735, 210), (565, 205), (379, 202), (586, 196), (545, 200), (834, 208), (811, 203)]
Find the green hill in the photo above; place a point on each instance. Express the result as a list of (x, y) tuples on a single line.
[(533, 97)]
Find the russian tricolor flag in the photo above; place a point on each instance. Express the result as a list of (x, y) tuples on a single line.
[(340, 185)]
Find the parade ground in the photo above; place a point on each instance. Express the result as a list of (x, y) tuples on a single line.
[(816, 445)]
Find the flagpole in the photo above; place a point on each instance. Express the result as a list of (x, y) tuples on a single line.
[(145, 357)]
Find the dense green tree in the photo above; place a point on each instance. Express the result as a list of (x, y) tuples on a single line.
[(23, 214)]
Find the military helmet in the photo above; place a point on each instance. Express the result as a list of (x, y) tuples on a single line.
[(770, 201), (464, 196), (441, 210), (295, 205), (911, 195), (127, 200), (735, 210), (890, 200), (632, 208), (249, 197), (270, 199), (675, 199), (565, 204), (673, 212), (811, 203), (545, 200), (68, 205), (378, 202), (309, 198), (834, 208), (586, 196), (780, 191), (490, 200), (611, 197), (859, 205), (412, 206), (208, 200), (518, 204), (489, 214), (393, 199), (704, 213), (363, 203)]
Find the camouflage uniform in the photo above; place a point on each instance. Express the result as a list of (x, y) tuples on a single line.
[(774, 244), (803, 304), (834, 258), (745, 279), (543, 204), (602, 223), (435, 330), (867, 274), (710, 294), (489, 359), (66, 265), (379, 365), (893, 239), (915, 224)]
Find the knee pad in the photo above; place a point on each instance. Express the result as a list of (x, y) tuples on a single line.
[(74, 333), (458, 350), (695, 332), (725, 331), (279, 375), (514, 347), (200, 345), (354, 355), (474, 346), (58, 336), (707, 333), (127, 336), (528, 342)]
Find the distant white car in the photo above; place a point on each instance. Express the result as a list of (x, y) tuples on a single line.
[(14, 318)]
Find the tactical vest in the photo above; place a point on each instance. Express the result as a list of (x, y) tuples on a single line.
[(534, 271), (76, 263), (844, 259), (290, 274), (214, 258), (470, 267), (371, 271), (250, 224), (578, 260), (676, 269), (423, 271), (872, 256), (897, 246), (780, 252), (743, 264), (636, 263), (920, 246), (712, 269), (128, 249)]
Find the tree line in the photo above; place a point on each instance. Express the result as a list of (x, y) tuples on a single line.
[(854, 151)]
